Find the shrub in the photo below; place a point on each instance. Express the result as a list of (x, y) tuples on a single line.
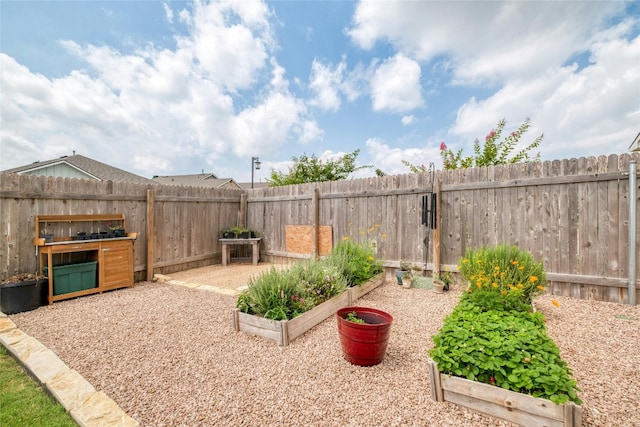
[(504, 270), (509, 349), (285, 294), (274, 294), (320, 281), (356, 261)]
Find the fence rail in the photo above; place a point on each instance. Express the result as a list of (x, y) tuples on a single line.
[(571, 214)]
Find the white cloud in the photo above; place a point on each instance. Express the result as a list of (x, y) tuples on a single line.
[(325, 83), (407, 120), (595, 107), (389, 159), (484, 40), (395, 85), (168, 12), (183, 102)]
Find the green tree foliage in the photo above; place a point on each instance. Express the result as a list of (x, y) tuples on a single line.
[(492, 152), (311, 169)]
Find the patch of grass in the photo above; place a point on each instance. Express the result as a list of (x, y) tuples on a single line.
[(24, 402)]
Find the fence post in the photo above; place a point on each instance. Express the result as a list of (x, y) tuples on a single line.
[(315, 220), (243, 210), (436, 232), (632, 233), (151, 236)]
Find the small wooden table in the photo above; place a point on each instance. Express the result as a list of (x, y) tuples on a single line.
[(227, 243)]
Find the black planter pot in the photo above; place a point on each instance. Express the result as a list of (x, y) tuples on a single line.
[(23, 296)]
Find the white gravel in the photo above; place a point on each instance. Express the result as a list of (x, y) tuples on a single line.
[(168, 356)]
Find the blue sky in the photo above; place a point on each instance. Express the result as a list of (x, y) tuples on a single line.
[(167, 88)]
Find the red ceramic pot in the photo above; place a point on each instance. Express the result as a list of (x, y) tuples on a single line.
[(364, 344)]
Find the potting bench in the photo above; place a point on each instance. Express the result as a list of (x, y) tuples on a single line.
[(111, 256), (227, 243)]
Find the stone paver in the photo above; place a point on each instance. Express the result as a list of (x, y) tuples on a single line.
[(12, 336), (70, 389), (6, 324), (45, 365), (98, 410)]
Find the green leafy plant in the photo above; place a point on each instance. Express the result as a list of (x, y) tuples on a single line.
[(353, 317), (509, 349), (405, 265), (504, 270), (321, 281), (492, 152), (271, 294), (356, 261), (311, 169), (285, 294)]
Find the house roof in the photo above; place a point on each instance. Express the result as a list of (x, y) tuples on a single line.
[(635, 145), (88, 168), (197, 180)]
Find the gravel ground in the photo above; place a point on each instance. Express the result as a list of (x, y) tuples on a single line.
[(168, 356)]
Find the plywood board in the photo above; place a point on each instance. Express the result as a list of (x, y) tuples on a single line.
[(299, 239)]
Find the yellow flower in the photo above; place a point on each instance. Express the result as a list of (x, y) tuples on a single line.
[(540, 287), (479, 284), (520, 286), (512, 287), (521, 267), (533, 279), (514, 262), (496, 268), (555, 303), (361, 233), (383, 235), (345, 238), (494, 284), (503, 292), (464, 261), (370, 258), (502, 275)]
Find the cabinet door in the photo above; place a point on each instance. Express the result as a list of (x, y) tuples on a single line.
[(117, 264)]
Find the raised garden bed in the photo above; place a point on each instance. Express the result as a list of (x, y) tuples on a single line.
[(285, 331), (495, 401)]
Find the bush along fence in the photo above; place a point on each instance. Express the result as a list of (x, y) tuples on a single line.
[(280, 305), (493, 354)]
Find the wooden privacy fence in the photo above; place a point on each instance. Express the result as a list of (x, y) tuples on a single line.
[(570, 214), (178, 226)]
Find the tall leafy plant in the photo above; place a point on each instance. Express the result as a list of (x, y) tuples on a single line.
[(505, 270)]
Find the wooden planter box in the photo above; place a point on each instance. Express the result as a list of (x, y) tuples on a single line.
[(497, 402), (285, 331)]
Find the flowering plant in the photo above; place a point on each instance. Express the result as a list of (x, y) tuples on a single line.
[(505, 270)]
